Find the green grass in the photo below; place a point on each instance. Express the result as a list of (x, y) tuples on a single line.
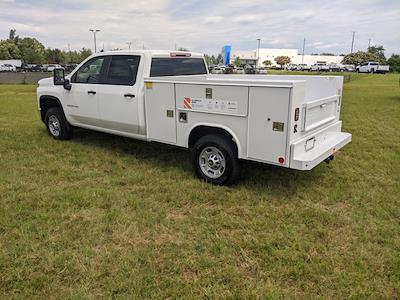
[(104, 216)]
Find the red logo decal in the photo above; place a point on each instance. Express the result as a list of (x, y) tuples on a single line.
[(187, 103)]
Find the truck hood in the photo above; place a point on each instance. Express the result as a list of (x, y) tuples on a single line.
[(46, 81)]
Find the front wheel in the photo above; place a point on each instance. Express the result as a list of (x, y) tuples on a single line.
[(57, 125), (215, 160)]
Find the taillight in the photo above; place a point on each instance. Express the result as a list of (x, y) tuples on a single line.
[(281, 160), (296, 114)]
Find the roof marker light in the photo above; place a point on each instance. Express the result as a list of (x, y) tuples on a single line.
[(181, 54)]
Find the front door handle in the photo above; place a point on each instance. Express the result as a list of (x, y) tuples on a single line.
[(129, 96), (91, 92)]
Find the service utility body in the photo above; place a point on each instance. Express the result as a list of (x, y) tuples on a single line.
[(169, 97)]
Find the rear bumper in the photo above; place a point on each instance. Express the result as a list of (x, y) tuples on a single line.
[(381, 71), (308, 152)]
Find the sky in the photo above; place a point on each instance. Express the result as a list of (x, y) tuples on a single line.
[(206, 25)]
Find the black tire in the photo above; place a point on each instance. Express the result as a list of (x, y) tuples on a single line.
[(227, 156), (55, 116)]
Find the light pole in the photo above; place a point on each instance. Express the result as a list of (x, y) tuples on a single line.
[(94, 36), (352, 41), (129, 45), (304, 46), (258, 51)]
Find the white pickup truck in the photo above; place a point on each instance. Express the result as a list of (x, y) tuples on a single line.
[(372, 67), (169, 97)]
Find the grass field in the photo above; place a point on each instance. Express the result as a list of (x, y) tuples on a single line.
[(104, 216)]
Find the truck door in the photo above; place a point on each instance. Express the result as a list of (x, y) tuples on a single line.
[(81, 102), (268, 124), (119, 96)]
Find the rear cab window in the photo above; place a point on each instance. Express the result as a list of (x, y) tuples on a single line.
[(177, 66)]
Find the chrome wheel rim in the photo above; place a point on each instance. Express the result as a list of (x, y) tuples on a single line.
[(212, 162), (54, 126)]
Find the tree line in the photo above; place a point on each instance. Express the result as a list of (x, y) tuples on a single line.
[(31, 51)]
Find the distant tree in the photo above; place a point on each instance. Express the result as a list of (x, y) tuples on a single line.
[(394, 63), (32, 51), (360, 57), (327, 54), (282, 60), (237, 62), (84, 53), (219, 60), (379, 51), (8, 50), (210, 59), (207, 58), (267, 63), (213, 60), (182, 49), (55, 56)]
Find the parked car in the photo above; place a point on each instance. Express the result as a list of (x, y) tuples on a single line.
[(50, 68), (291, 67), (262, 71), (239, 70), (31, 67), (145, 95), (250, 70), (372, 67), (320, 67), (336, 67), (6, 63), (8, 68), (303, 67), (349, 68), (217, 70), (229, 69)]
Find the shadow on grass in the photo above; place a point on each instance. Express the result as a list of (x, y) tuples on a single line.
[(255, 176)]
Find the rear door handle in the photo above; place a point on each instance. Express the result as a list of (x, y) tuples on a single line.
[(91, 92), (129, 96)]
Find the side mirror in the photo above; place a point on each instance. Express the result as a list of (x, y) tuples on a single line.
[(59, 78)]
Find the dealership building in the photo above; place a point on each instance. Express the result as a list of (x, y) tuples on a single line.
[(250, 57)]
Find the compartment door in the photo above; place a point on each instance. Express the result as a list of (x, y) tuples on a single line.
[(160, 112), (268, 124), (320, 112)]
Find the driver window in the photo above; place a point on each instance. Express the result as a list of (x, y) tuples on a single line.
[(90, 72)]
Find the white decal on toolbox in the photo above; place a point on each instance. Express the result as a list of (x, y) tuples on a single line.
[(210, 105)]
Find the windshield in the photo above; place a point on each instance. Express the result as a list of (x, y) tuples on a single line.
[(177, 66)]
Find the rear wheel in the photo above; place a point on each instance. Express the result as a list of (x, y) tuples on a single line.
[(215, 160), (57, 125)]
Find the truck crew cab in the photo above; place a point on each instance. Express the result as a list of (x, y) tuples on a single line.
[(372, 67), (169, 97)]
